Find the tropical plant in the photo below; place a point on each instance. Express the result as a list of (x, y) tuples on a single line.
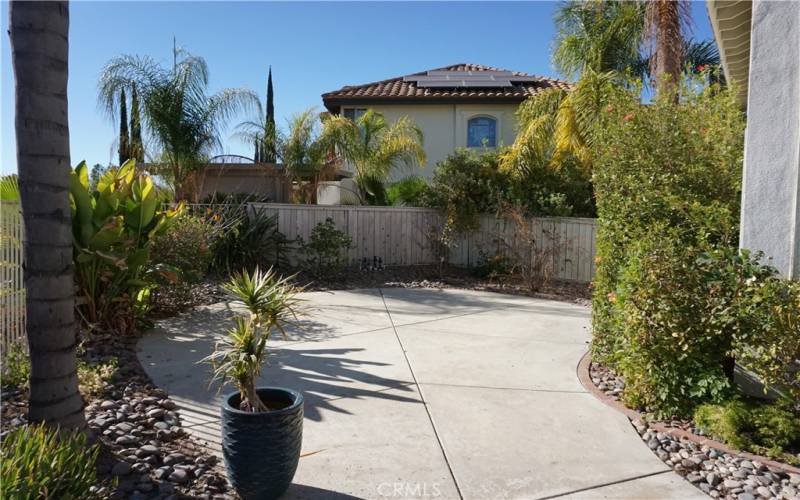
[(113, 228), (558, 126), (307, 155), (39, 34), (40, 462), (271, 303), (600, 36), (245, 238), (373, 146), (183, 119)]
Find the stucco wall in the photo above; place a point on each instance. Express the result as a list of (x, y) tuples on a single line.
[(770, 209), (444, 127)]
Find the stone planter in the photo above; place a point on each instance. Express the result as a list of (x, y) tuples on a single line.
[(262, 449)]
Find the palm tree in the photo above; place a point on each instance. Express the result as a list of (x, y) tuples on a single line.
[(373, 146), (39, 34), (558, 125), (597, 35), (307, 154), (182, 118), (600, 42), (665, 21)]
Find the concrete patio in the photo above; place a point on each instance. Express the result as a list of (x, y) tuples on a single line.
[(419, 393)]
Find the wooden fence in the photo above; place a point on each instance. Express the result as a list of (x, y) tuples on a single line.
[(12, 289), (403, 236)]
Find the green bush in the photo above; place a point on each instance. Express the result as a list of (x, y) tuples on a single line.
[(662, 171), (245, 238), (466, 185), (16, 366), (38, 462), (323, 254), (767, 429), (408, 192), (186, 247)]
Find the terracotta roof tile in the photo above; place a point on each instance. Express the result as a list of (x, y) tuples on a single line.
[(397, 88)]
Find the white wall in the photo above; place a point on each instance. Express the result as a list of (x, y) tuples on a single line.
[(444, 127), (771, 188)]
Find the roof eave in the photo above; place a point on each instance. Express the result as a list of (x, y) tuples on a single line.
[(730, 21), (334, 103)]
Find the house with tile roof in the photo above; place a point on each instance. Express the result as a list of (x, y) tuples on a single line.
[(458, 106)]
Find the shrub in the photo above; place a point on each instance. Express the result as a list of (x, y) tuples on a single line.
[(186, 247), (769, 429), (93, 377), (466, 185), (113, 227), (16, 366), (409, 192), (245, 238), (663, 170), (38, 462), (323, 254), (672, 350)]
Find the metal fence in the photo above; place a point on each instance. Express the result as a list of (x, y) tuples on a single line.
[(12, 287)]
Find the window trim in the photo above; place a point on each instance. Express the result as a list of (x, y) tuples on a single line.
[(494, 120)]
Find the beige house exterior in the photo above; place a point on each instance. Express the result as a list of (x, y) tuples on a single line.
[(455, 107)]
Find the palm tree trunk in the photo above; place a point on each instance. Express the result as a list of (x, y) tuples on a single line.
[(665, 19), (39, 34)]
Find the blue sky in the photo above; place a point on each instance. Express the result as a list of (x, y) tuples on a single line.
[(312, 47)]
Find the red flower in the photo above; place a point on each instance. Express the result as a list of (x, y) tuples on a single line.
[(701, 67), (609, 108), (628, 117)]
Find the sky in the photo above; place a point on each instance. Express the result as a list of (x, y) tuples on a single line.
[(312, 47)]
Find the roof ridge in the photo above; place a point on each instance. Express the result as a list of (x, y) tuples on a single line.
[(450, 67), (397, 86)]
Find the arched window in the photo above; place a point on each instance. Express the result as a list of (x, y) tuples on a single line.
[(481, 131)]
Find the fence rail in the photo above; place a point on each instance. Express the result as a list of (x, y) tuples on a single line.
[(402, 236), (12, 287)]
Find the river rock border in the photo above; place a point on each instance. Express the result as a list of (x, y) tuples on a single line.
[(711, 466)]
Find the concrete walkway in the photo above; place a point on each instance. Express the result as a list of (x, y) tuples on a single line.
[(417, 393)]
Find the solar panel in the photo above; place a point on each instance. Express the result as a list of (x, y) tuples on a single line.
[(471, 79)]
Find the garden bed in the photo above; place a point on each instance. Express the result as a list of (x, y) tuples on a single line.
[(208, 291), (713, 467), (143, 445)]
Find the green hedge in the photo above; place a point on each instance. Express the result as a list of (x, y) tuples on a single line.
[(664, 170), (675, 302)]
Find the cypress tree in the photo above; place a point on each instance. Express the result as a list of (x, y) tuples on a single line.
[(270, 139), (124, 141), (137, 146)]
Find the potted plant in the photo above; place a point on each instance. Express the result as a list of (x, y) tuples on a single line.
[(262, 427)]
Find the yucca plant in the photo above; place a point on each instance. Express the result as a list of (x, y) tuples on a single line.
[(271, 303)]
